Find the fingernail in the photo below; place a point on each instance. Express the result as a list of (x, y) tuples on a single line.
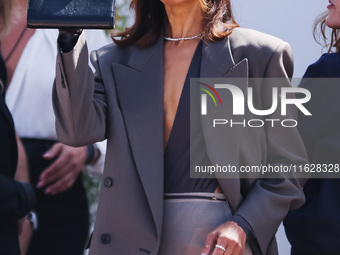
[(46, 155), (40, 184), (204, 254)]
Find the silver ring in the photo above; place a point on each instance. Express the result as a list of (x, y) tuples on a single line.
[(220, 246)]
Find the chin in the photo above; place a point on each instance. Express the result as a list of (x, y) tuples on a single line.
[(333, 22), (176, 2)]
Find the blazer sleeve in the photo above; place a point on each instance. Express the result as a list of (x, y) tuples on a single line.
[(79, 99), (268, 200), (16, 199)]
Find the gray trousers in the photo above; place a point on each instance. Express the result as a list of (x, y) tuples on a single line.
[(188, 218)]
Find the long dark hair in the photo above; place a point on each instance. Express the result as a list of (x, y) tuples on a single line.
[(218, 22), (320, 30)]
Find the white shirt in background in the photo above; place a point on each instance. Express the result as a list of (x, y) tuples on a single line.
[(29, 95)]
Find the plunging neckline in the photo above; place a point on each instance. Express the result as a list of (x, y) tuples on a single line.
[(180, 102)]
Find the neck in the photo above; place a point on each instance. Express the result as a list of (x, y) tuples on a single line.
[(14, 43), (18, 17), (184, 20)]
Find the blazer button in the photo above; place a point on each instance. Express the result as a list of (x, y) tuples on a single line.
[(108, 182), (105, 238)]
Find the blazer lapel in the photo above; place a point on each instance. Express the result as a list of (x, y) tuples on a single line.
[(140, 95), (141, 98), (222, 142)]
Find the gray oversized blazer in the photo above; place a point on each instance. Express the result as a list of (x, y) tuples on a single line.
[(123, 102)]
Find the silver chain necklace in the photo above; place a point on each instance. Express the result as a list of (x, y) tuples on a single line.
[(181, 39)]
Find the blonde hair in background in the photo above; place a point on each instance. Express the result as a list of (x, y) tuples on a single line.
[(5, 16), (320, 31), (5, 20)]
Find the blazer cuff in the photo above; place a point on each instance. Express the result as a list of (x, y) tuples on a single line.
[(244, 225), (31, 197)]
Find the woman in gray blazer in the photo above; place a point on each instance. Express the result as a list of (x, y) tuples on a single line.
[(138, 101)]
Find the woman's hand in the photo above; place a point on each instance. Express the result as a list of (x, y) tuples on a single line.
[(68, 38), (228, 235), (61, 175)]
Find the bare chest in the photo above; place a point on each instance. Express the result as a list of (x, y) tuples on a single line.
[(176, 65)]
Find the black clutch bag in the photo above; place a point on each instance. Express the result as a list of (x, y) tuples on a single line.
[(90, 14)]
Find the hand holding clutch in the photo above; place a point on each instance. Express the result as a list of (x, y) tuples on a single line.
[(68, 39)]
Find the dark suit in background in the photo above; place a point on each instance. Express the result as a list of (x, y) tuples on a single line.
[(16, 199), (315, 228)]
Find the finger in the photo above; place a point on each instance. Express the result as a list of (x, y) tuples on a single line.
[(222, 242), (66, 162), (209, 243), (69, 160), (61, 185), (230, 251), (230, 245), (218, 251), (53, 152), (53, 172), (233, 248), (62, 157)]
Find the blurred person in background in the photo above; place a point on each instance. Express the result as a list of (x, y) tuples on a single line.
[(314, 229), (17, 197), (55, 169)]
